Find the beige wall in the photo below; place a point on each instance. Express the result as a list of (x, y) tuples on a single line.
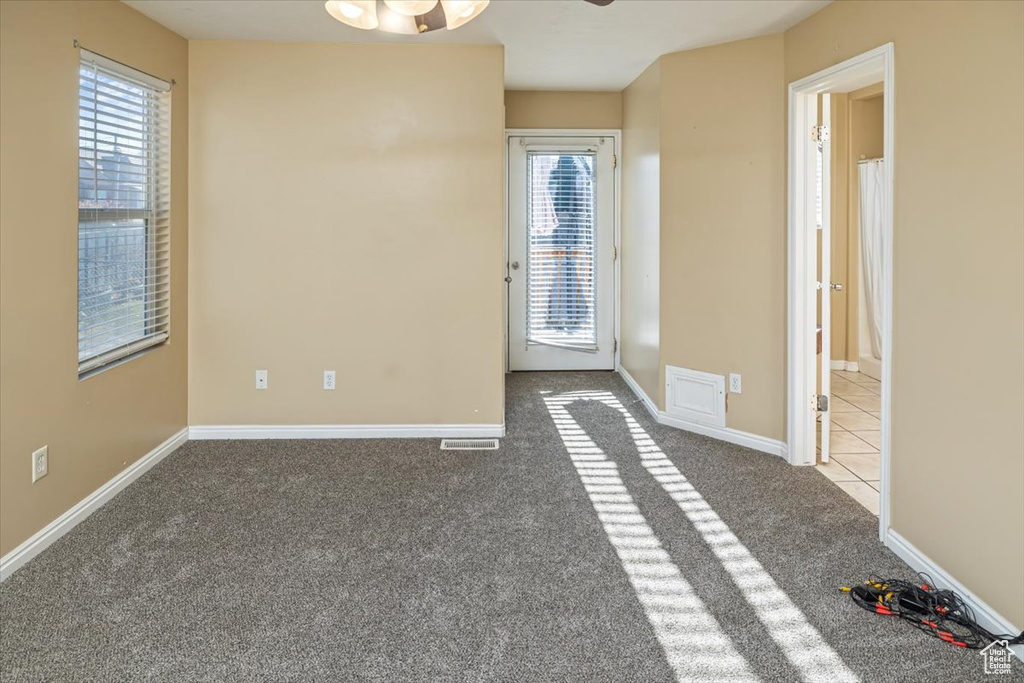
[(641, 230), (346, 219), (723, 275), (558, 109), (96, 427), (692, 243), (958, 243), (857, 133), (866, 141), (839, 195)]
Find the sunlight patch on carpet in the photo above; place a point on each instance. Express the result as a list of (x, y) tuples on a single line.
[(801, 643)]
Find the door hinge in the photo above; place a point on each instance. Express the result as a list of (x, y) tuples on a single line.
[(615, 346), (615, 161), (823, 403), (615, 253), (819, 133)]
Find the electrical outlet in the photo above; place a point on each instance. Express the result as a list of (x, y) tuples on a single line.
[(40, 463), (261, 379), (735, 383), (328, 380)]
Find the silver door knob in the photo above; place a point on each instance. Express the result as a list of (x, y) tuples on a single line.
[(508, 279), (515, 265), (837, 286)]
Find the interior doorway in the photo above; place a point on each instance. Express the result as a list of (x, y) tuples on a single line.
[(850, 167), (840, 278), (561, 252)]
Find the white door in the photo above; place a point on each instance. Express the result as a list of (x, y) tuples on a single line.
[(824, 219), (561, 253)]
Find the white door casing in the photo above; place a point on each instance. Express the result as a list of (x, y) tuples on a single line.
[(825, 284), (857, 72), (561, 293)]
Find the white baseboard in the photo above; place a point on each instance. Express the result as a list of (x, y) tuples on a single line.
[(919, 562), (740, 438), (425, 431), (10, 562), (848, 365), (652, 408), (758, 443)]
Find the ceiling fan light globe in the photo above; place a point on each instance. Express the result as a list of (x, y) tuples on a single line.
[(411, 8), (356, 13), (393, 22), (460, 12)]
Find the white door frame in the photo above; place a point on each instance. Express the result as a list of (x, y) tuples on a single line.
[(825, 266), (862, 70), (616, 136)]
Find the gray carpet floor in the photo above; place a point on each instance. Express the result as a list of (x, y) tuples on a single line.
[(391, 560)]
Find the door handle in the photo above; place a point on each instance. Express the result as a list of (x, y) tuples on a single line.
[(836, 286), (508, 279)]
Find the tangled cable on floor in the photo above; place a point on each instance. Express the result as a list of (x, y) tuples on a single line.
[(940, 613)]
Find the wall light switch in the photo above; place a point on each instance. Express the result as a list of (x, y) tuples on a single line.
[(261, 379), (40, 463), (735, 383), (328, 380)]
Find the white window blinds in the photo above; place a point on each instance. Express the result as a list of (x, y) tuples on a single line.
[(561, 263), (123, 211)]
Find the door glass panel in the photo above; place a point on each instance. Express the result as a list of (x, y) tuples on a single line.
[(561, 250)]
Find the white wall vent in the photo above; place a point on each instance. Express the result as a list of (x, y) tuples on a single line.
[(469, 444), (695, 396)]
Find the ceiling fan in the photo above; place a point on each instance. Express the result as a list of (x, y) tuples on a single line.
[(411, 16)]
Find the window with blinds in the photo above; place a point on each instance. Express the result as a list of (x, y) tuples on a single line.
[(123, 211), (561, 260)]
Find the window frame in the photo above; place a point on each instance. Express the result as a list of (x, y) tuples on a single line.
[(155, 216)]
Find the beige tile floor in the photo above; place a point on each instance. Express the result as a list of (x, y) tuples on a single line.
[(855, 437)]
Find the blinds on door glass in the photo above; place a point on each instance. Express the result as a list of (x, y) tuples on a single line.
[(123, 211), (561, 250)]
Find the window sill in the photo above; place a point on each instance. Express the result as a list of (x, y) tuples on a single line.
[(112, 359)]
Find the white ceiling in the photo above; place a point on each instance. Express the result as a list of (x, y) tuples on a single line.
[(549, 44)]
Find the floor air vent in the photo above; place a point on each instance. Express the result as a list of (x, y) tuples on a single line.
[(469, 444)]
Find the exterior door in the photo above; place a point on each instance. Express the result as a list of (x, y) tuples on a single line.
[(561, 253)]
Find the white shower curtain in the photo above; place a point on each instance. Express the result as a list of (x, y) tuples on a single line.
[(871, 209)]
